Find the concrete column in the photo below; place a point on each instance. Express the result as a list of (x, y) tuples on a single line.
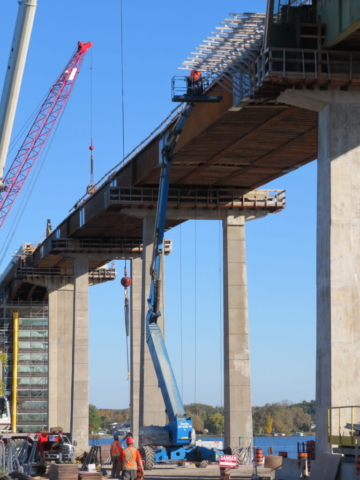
[(338, 262), (237, 392), (80, 377), (338, 251), (152, 408), (61, 311), (135, 338)]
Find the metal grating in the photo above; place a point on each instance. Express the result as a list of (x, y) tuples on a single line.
[(230, 50)]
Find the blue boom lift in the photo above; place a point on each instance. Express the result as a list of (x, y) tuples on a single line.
[(176, 440)]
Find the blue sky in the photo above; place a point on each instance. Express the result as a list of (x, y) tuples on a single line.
[(158, 36)]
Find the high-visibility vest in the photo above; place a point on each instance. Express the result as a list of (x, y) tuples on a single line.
[(115, 448), (195, 75), (130, 458)]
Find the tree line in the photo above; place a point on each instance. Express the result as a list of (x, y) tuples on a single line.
[(281, 417)]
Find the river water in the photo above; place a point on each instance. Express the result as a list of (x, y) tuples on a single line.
[(279, 444)]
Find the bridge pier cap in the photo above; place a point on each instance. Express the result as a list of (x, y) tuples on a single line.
[(338, 249)]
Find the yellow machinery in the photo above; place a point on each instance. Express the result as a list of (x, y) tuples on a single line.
[(344, 426)]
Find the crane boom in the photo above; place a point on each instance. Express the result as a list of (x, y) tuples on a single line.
[(13, 77), (40, 131)]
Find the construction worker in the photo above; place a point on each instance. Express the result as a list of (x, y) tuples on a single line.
[(196, 82), (131, 461), (115, 453)]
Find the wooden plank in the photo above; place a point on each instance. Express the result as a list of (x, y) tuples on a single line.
[(298, 141), (255, 133)]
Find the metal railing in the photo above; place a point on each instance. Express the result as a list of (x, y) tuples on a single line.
[(158, 131), (344, 426), (199, 198), (299, 66), (114, 245)]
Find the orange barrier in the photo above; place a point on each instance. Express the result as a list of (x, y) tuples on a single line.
[(357, 465), (301, 455), (225, 473), (310, 448), (283, 454), (259, 456)]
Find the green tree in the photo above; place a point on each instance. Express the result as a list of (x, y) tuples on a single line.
[(94, 418), (198, 424), (215, 423)]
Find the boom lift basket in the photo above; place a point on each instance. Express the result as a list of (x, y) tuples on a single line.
[(186, 89)]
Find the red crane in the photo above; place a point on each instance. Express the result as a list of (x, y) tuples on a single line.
[(40, 131)]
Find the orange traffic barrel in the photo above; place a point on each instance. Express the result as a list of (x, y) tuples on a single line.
[(301, 455), (357, 465), (222, 473), (139, 475), (283, 454), (259, 456)]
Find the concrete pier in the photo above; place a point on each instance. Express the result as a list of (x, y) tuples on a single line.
[(338, 251), (80, 377), (61, 311), (237, 388), (135, 336)]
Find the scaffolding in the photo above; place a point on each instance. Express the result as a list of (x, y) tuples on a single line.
[(32, 404)]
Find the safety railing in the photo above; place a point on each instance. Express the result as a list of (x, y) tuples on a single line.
[(157, 132), (344, 426), (24, 272), (304, 66), (199, 198), (115, 245)]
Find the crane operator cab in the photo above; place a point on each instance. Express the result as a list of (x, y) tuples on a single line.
[(194, 89)]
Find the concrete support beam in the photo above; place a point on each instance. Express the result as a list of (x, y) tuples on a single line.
[(152, 408), (338, 252), (61, 310), (237, 388), (80, 377), (135, 338)]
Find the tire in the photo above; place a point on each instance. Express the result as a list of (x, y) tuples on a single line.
[(202, 464), (148, 456), (17, 442), (234, 450)]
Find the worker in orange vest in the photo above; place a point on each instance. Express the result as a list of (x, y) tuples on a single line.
[(196, 82), (131, 461), (115, 452)]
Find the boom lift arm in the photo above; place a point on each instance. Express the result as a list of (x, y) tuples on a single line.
[(180, 426)]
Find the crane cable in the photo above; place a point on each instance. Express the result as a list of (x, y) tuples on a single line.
[(127, 303), (221, 336), (195, 322), (181, 318), (91, 147)]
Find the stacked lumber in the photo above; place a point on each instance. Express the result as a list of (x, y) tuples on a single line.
[(90, 475), (63, 472)]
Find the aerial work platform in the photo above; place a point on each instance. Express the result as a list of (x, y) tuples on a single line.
[(186, 89)]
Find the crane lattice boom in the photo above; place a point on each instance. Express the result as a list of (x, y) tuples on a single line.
[(40, 131)]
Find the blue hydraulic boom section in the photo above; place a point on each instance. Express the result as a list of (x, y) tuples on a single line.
[(180, 425)]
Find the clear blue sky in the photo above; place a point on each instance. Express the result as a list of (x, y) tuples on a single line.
[(158, 36)]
